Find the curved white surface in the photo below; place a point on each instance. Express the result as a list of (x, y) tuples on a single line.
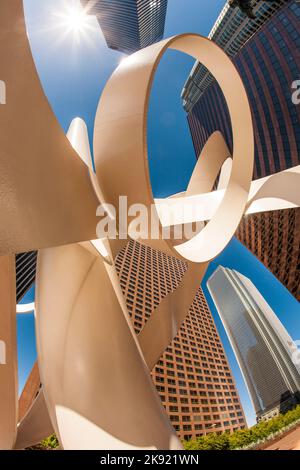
[(26, 308), (90, 362), (278, 191), (36, 424)]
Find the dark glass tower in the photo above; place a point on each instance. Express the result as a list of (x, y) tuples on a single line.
[(129, 25), (268, 63), (266, 54), (25, 273), (262, 346)]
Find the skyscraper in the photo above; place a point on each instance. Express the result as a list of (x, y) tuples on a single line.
[(262, 346), (30, 391), (274, 238), (193, 377), (231, 32), (265, 51), (25, 273), (129, 25)]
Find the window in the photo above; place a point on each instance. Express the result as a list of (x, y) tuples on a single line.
[(173, 409), (187, 427), (186, 418), (174, 418)]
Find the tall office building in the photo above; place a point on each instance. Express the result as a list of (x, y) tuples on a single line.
[(262, 346), (266, 53), (274, 238), (193, 377), (25, 273), (129, 25), (30, 391), (231, 32)]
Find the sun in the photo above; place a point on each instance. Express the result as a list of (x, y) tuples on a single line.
[(76, 20), (73, 20)]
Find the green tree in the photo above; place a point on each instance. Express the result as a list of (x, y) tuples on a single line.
[(244, 437)]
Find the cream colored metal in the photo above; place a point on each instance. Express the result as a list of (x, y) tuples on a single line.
[(73, 350), (8, 363), (225, 173), (25, 308), (198, 203), (36, 425), (123, 112), (275, 192), (211, 160), (164, 323), (79, 139), (97, 386), (46, 198), (279, 191)]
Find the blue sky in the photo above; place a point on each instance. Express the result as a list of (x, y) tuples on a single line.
[(73, 74)]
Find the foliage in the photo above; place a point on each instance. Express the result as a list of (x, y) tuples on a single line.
[(245, 437), (50, 443)]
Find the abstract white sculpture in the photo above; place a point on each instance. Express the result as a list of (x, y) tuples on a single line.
[(97, 389)]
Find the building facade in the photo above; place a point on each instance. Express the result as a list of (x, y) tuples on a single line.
[(129, 25), (25, 273), (30, 392), (268, 64), (273, 237), (231, 31), (193, 377), (262, 346), (266, 53)]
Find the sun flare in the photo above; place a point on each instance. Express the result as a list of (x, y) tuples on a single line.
[(76, 20)]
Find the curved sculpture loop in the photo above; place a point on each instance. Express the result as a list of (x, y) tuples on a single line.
[(97, 391), (123, 111)]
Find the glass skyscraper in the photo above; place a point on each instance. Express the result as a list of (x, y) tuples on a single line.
[(25, 273), (262, 346), (129, 25), (266, 54), (231, 31), (268, 63)]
